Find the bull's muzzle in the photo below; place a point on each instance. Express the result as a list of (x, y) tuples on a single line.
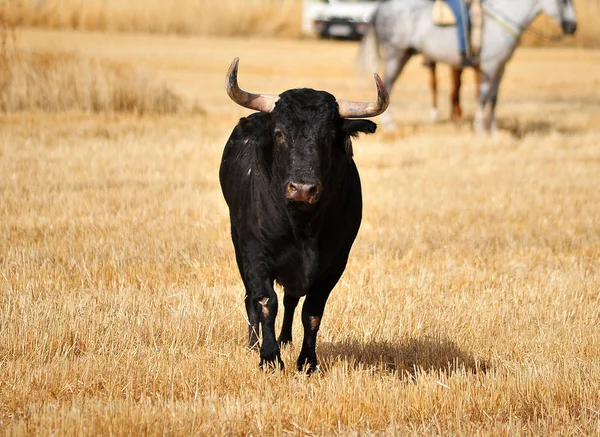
[(303, 192)]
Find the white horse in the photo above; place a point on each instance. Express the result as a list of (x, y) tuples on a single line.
[(402, 28)]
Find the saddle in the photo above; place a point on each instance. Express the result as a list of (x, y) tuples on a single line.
[(442, 15)]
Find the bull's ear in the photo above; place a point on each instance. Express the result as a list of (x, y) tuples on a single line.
[(354, 127), (351, 128)]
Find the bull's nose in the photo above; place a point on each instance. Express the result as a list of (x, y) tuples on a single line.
[(569, 27), (302, 192)]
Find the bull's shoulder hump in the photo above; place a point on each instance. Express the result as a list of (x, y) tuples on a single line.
[(251, 129), (256, 124)]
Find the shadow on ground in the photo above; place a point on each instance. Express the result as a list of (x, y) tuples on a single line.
[(429, 354), (513, 126), (520, 129)]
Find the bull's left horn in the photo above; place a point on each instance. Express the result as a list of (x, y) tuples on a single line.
[(258, 102), (349, 109)]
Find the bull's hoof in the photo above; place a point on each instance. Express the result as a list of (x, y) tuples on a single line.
[(308, 367), (271, 364), (284, 340), (253, 346)]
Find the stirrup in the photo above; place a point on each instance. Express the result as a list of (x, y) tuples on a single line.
[(469, 61)]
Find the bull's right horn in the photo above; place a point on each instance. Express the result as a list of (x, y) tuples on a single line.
[(258, 102)]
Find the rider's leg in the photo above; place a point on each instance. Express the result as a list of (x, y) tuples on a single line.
[(476, 29), (462, 24)]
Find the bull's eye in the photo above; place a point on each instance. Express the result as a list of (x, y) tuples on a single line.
[(279, 138)]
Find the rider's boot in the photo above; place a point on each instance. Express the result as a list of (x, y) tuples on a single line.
[(469, 61)]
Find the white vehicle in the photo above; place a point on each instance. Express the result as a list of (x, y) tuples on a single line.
[(346, 19)]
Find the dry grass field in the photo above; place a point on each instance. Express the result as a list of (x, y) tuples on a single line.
[(224, 17), (199, 17), (470, 305)]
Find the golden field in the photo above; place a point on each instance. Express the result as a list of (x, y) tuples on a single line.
[(470, 305), (225, 17), (199, 17)]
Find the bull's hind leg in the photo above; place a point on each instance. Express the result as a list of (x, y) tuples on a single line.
[(290, 302)]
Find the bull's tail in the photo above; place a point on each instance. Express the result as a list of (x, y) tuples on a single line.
[(368, 58)]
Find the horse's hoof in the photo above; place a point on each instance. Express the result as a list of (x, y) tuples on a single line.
[(494, 128), (434, 115), (390, 128), (478, 127)]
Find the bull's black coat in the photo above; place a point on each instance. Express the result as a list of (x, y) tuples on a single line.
[(302, 242)]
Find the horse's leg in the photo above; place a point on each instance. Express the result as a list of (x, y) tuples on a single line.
[(433, 87), (393, 67), (482, 99), (493, 98), (477, 72), (455, 111)]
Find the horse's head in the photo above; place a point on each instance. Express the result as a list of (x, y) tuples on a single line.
[(563, 12)]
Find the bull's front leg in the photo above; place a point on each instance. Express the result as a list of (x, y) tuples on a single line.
[(270, 355), (253, 322), (263, 301), (312, 313)]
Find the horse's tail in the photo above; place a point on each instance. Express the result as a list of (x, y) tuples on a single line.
[(368, 57)]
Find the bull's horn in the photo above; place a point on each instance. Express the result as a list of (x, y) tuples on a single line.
[(258, 102), (349, 109)]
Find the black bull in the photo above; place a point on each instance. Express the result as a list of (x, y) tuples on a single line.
[(295, 205)]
